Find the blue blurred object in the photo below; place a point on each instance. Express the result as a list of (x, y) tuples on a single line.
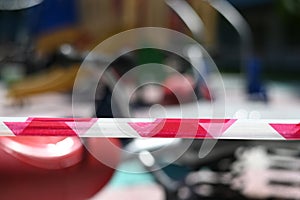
[(55, 14), (255, 87), (248, 3), (19, 26)]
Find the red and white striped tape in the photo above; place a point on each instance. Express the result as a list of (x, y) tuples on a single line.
[(166, 128)]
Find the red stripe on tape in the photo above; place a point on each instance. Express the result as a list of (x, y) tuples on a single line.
[(51, 126), (187, 128), (288, 131)]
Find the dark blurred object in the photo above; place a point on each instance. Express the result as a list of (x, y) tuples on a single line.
[(50, 67), (249, 67), (249, 3), (16, 36), (248, 170), (289, 8), (24, 31), (103, 100), (166, 88), (275, 27)]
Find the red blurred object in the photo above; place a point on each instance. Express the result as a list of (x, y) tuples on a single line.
[(179, 89), (54, 167), (45, 152)]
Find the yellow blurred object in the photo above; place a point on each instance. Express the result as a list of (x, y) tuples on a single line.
[(50, 42), (210, 18), (58, 79)]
